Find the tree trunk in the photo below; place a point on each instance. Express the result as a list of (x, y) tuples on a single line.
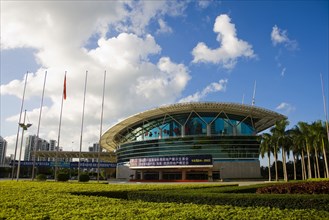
[(308, 162), (314, 166), (303, 166), (317, 162), (295, 174), (325, 158), (269, 166), (276, 165), (284, 165)]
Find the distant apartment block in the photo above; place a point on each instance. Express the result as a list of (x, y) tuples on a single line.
[(41, 145), (3, 149)]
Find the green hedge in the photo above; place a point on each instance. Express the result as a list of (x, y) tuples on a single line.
[(318, 202)]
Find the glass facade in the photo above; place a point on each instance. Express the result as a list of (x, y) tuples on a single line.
[(220, 147), (225, 137), (189, 124)]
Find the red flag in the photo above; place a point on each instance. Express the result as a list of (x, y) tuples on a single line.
[(64, 90)]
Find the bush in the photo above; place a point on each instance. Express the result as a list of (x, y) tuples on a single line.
[(62, 177), (84, 177), (316, 187), (41, 177), (318, 202)]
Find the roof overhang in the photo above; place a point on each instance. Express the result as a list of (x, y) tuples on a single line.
[(264, 118), (104, 156)]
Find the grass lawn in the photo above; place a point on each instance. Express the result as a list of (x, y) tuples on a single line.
[(56, 200)]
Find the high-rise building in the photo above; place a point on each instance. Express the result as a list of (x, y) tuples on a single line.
[(94, 148), (42, 145), (3, 149), (52, 145)]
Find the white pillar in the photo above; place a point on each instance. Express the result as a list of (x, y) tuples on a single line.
[(210, 175), (160, 133), (208, 130), (183, 174)]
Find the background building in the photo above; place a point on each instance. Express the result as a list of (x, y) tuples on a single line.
[(190, 141), (94, 148), (3, 150), (30, 144)]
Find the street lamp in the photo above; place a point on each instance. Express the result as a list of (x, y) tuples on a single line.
[(25, 127)]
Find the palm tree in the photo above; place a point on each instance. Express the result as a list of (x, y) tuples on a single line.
[(266, 148), (297, 149), (319, 132), (316, 131), (304, 128), (275, 153), (279, 134), (294, 149)]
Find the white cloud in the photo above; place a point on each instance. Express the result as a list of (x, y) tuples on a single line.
[(283, 71), (219, 86), (59, 33), (279, 36), (204, 3), (140, 14), (163, 27), (286, 107), (231, 48)]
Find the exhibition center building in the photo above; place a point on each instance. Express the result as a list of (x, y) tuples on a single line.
[(190, 141)]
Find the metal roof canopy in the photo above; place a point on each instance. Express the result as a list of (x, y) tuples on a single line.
[(104, 156), (262, 118)]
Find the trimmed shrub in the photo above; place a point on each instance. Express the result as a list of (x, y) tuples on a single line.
[(41, 177), (318, 202), (62, 177), (84, 177), (316, 187)]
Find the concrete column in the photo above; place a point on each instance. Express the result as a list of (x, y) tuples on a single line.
[(208, 130), (142, 174), (183, 131), (160, 133), (160, 175), (210, 175), (183, 174)]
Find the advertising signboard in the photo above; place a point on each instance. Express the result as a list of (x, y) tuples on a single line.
[(187, 160), (64, 164)]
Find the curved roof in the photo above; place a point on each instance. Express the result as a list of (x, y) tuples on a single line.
[(262, 118)]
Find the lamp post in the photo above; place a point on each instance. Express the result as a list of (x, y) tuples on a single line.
[(24, 126)]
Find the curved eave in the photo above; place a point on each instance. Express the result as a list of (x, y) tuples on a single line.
[(265, 118)]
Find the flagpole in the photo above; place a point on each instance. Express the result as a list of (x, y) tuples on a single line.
[(60, 124), (20, 152), (83, 113), (101, 127), (254, 94), (327, 126), (36, 142), (19, 121)]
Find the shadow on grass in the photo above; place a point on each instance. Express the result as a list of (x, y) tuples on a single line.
[(317, 202)]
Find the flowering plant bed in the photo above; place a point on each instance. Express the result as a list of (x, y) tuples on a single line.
[(312, 187)]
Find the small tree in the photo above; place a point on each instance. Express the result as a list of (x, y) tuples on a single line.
[(84, 177), (62, 177)]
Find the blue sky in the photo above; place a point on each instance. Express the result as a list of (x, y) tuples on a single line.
[(159, 52)]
